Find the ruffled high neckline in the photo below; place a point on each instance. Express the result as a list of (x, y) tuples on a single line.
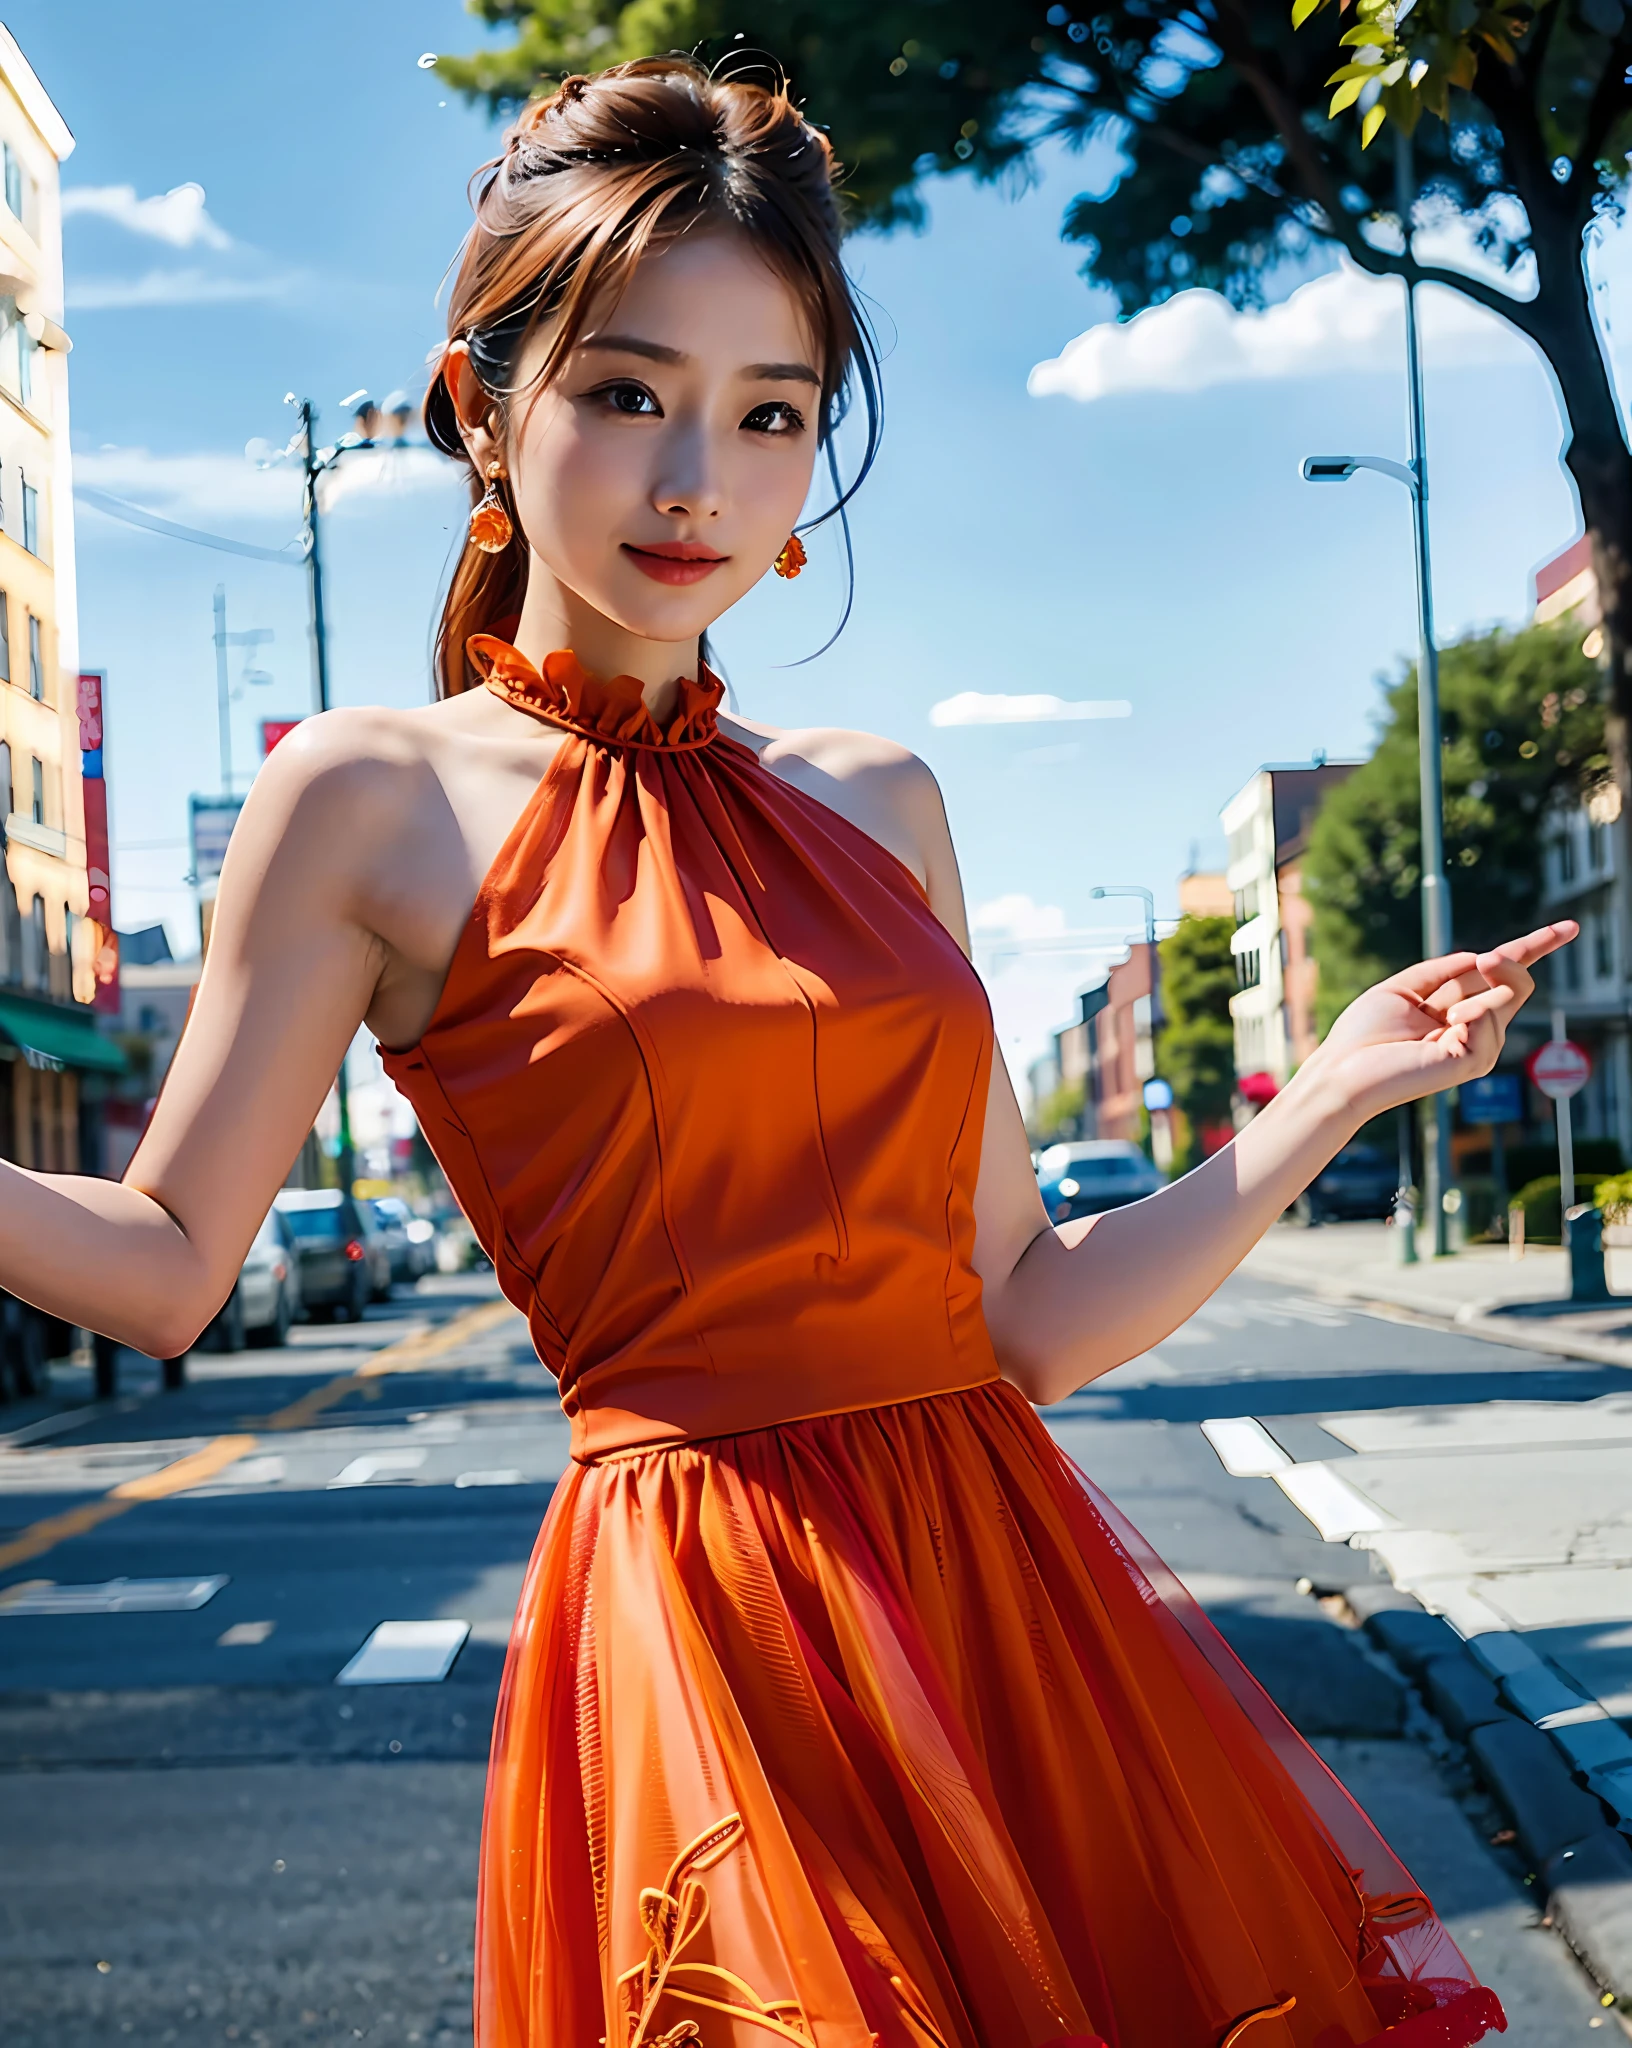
[(609, 709)]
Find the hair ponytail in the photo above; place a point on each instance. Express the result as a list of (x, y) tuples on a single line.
[(591, 179)]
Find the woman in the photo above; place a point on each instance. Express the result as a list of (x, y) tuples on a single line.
[(839, 1708)]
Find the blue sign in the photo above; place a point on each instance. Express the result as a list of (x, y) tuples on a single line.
[(1497, 1099), (1158, 1094)]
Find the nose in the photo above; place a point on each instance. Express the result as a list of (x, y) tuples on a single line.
[(687, 484)]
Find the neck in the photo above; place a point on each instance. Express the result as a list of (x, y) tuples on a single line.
[(552, 617)]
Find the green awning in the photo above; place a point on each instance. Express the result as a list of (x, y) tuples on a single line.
[(55, 1036)]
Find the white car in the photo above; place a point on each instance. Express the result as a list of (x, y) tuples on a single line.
[(266, 1297)]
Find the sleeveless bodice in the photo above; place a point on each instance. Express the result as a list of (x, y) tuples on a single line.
[(709, 1079)]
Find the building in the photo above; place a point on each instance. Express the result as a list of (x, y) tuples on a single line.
[(155, 998), (1583, 868), (1109, 1053), (48, 946), (1267, 825), (1205, 895)]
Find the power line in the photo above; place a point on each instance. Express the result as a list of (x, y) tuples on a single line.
[(137, 515)]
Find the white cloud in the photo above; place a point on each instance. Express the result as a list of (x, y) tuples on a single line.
[(1341, 323), (1016, 917), (177, 216), (211, 485), (189, 287), (974, 707)]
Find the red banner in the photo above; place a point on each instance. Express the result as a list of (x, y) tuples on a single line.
[(90, 712)]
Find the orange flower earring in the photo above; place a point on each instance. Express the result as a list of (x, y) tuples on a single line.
[(792, 558), (490, 527)]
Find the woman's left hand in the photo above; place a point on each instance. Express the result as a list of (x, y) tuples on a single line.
[(1436, 1025)]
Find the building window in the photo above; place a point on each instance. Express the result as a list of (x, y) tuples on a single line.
[(36, 964), (26, 346), (37, 800), (36, 661), (1566, 858), (1603, 948), (1248, 968), (14, 180), (5, 639), (1597, 848), (5, 778), (31, 517)]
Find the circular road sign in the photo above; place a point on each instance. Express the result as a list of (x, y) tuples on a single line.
[(1559, 1068)]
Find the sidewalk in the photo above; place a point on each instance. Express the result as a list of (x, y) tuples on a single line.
[(1510, 1523), (1480, 1292)]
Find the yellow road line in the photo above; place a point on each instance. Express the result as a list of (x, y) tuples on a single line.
[(408, 1355), (176, 1477)]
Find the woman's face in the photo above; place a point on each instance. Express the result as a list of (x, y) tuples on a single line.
[(658, 475)]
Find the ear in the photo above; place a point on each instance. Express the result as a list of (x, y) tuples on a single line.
[(480, 416)]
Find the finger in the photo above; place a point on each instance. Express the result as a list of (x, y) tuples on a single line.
[(1428, 976), (1496, 1003), (1533, 946)]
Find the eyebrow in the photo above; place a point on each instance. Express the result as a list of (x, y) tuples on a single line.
[(659, 352)]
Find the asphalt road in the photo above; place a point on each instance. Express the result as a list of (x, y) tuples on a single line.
[(207, 1838)]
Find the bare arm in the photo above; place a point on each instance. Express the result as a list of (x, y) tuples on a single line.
[(291, 971), (1066, 1304)]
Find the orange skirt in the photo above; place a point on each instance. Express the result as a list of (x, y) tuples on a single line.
[(885, 1730)]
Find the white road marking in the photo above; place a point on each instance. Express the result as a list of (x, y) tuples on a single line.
[(244, 1633), (112, 1596), (1331, 1503), (406, 1653), (376, 1465), (509, 1476), (1245, 1448)]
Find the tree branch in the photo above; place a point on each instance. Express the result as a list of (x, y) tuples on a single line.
[(1610, 98)]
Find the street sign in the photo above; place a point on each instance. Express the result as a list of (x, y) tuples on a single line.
[(210, 821), (1496, 1099), (1560, 1068), (1158, 1093), (275, 729)]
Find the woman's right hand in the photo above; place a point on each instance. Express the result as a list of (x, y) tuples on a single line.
[(1431, 1027)]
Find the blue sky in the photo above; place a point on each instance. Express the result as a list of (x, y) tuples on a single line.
[(1138, 534)]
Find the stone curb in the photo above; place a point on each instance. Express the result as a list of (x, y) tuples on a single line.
[(1582, 1862)]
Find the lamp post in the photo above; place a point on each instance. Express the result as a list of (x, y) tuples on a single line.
[(1436, 899), (316, 462)]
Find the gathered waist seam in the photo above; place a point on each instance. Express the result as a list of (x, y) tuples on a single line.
[(692, 1443)]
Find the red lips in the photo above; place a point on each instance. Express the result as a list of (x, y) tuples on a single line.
[(674, 561)]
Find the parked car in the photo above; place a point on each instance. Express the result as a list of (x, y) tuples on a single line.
[(1360, 1182), (409, 1239), (343, 1261), (266, 1298), (1093, 1175)]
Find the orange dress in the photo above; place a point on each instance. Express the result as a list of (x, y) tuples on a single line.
[(840, 1708)]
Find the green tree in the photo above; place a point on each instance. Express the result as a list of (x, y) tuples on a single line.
[(1239, 143), (1523, 724), (1195, 1049)]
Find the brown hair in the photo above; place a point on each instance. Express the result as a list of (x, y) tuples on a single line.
[(591, 179)]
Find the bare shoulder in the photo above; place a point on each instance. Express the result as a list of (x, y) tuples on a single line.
[(878, 785), (829, 754)]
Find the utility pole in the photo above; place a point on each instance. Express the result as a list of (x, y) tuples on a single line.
[(312, 466), (223, 689), (1436, 895)]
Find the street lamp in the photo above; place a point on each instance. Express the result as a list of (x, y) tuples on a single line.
[(1436, 899)]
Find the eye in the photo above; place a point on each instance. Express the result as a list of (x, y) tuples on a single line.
[(776, 416), (630, 399)]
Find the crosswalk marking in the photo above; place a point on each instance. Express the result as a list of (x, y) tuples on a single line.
[(406, 1653)]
